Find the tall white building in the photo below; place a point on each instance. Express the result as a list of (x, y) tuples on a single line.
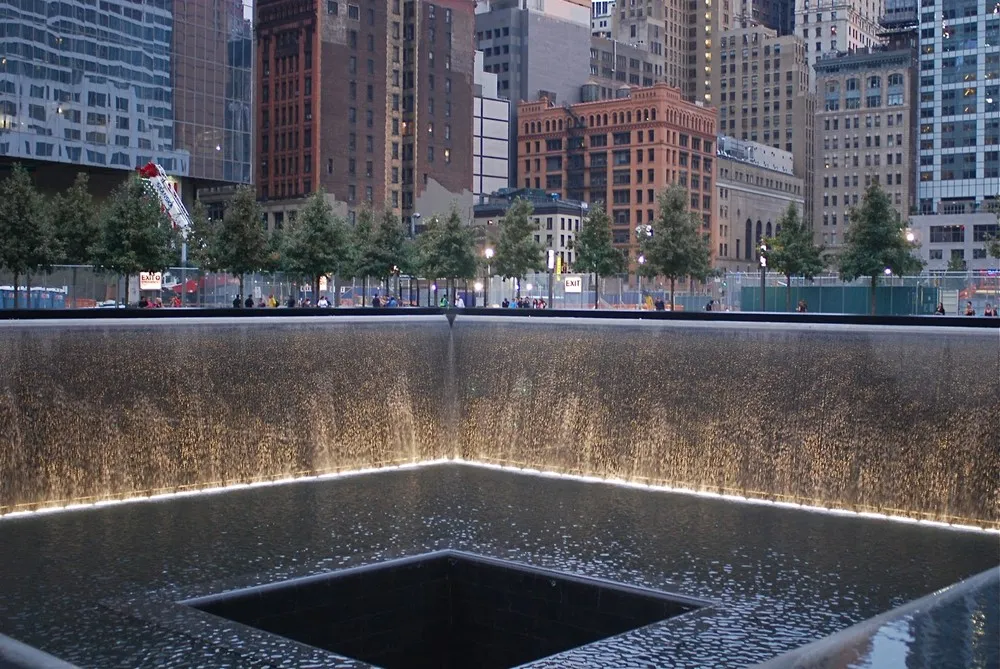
[(490, 135), (829, 27)]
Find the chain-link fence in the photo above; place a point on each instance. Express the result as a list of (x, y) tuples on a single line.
[(85, 287)]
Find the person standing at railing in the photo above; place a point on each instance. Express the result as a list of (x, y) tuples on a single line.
[(969, 309), (990, 310)]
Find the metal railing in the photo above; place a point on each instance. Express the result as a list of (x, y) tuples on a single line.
[(86, 287)]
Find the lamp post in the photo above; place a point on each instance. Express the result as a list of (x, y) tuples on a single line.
[(763, 276), (414, 219), (488, 252), (638, 277), (551, 265)]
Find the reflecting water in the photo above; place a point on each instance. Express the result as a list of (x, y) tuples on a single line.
[(97, 587)]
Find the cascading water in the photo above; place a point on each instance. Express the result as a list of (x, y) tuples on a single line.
[(891, 420)]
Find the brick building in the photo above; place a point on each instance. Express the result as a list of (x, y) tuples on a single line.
[(621, 152), (369, 100)]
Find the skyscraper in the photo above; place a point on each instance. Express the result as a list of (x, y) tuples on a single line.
[(829, 27), (113, 85), (959, 130), (372, 101)]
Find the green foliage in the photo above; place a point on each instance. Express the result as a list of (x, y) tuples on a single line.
[(364, 260), (241, 243), (956, 264), (136, 235), (875, 241), (517, 252), (317, 243), (276, 251), (792, 252), (677, 248), (27, 243), (595, 252), (389, 245), (75, 222), (446, 249), (203, 239), (993, 241)]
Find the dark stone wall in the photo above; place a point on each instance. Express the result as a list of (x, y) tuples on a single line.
[(891, 419), (92, 411), (894, 420)]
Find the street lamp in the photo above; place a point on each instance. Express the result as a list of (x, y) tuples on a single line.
[(488, 252), (638, 276), (763, 276), (414, 219), (910, 237)]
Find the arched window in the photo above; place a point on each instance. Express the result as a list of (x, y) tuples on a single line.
[(760, 233), (874, 82), (605, 119), (526, 128), (767, 229), (749, 238), (591, 119), (629, 117), (645, 114), (777, 229), (614, 118), (895, 79), (853, 84), (560, 124), (547, 126)]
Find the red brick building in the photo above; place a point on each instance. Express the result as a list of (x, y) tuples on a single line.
[(622, 152), (369, 99)]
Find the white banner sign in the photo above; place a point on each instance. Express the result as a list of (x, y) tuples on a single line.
[(574, 284), (150, 281)]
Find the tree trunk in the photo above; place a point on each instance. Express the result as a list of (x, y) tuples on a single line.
[(126, 289), (597, 291), (316, 288), (27, 290), (17, 291), (872, 291), (336, 290), (518, 295), (672, 293), (364, 292), (241, 295), (788, 292)]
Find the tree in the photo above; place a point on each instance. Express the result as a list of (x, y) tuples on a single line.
[(75, 225), (594, 250), (136, 235), (363, 261), (792, 252), (677, 247), (241, 242), (956, 264), (318, 242), (517, 252), (203, 239), (447, 249), (388, 246), (993, 241), (875, 242), (75, 222), (26, 240)]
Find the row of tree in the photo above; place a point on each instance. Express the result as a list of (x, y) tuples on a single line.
[(130, 233)]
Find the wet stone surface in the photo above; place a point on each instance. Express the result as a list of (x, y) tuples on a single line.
[(102, 587)]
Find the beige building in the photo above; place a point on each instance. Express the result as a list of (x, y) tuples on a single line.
[(763, 85), (614, 65), (831, 27), (681, 35), (754, 186), (865, 130)]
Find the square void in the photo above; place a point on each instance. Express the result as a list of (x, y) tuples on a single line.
[(446, 610)]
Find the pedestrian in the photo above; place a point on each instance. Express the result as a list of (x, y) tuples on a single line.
[(969, 309), (990, 310), (237, 302), (249, 303), (659, 304), (940, 309), (802, 307)]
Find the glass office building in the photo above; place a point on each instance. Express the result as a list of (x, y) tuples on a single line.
[(959, 121), (119, 83)]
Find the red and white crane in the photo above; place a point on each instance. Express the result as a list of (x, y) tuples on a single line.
[(170, 199)]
